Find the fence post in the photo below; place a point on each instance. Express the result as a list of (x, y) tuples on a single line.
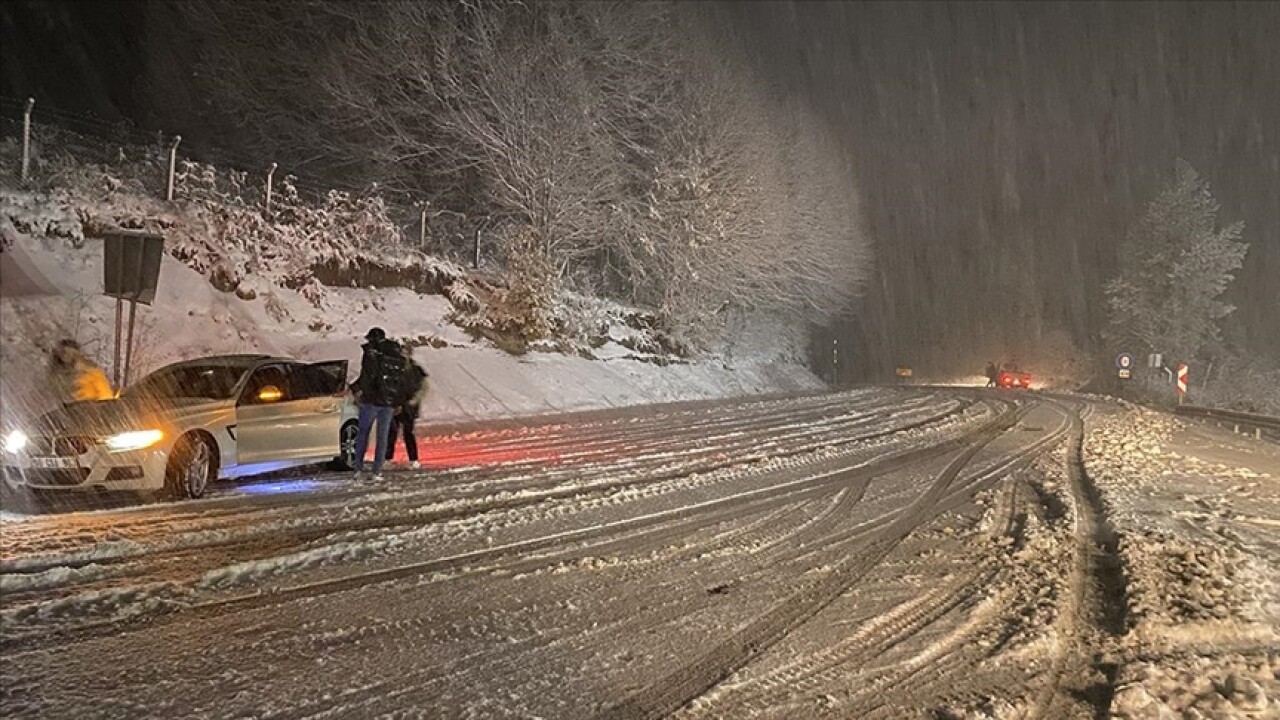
[(26, 137), (422, 227), (835, 362), (173, 166), (475, 262), (270, 175)]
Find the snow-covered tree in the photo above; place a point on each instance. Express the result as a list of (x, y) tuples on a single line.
[(1173, 268), (621, 148)]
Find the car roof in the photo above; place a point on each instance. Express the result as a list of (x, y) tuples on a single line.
[(244, 361)]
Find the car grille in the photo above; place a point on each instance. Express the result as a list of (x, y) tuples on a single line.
[(35, 476), (126, 472), (60, 446)]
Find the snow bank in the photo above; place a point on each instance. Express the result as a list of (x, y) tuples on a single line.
[(1175, 577), (1200, 688), (1202, 594)]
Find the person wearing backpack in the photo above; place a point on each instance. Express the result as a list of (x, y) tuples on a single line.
[(407, 414), (380, 388)]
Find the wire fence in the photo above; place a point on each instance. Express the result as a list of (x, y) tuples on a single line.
[(39, 139)]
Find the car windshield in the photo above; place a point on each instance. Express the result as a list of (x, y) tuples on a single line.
[(212, 382)]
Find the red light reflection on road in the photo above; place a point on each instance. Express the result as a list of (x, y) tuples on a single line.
[(434, 454), (528, 446)]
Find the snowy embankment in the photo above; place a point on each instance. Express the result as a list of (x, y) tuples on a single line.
[(1201, 565), (471, 378)]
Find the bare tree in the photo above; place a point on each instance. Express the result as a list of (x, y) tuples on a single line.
[(606, 139), (749, 206)]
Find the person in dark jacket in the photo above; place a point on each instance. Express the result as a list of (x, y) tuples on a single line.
[(374, 390), (407, 414), (992, 374)]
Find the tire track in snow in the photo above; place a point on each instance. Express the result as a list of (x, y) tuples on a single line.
[(281, 622), (689, 681), (29, 564), (1095, 609), (194, 561), (842, 665), (791, 682), (826, 470), (401, 690)]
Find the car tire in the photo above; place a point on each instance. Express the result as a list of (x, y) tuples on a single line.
[(346, 459), (192, 466)]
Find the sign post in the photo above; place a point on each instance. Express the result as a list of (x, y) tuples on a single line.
[(1124, 363), (835, 362), (1155, 363), (130, 273), (1182, 381), (115, 359)]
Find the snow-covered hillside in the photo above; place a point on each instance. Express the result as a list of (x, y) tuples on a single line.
[(471, 378)]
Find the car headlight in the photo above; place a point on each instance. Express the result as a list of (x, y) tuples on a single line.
[(15, 441), (135, 440)]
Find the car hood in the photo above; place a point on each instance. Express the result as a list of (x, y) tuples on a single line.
[(108, 417)]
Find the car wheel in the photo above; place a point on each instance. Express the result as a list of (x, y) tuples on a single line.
[(346, 459), (191, 467)]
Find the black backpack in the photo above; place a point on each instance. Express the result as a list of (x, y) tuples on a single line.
[(417, 377), (393, 381)]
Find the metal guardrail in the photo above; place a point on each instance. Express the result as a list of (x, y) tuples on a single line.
[(1259, 426)]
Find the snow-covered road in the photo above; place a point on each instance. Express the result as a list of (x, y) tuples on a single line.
[(875, 553)]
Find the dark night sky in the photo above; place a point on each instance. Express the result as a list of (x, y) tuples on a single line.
[(77, 56), (1001, 149)]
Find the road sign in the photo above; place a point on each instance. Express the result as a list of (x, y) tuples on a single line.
[(131, 265), (1125, 373), (1124, 361), (131, 262), (1155, 360), (1182, 379)]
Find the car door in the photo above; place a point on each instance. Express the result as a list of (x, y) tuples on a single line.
[(269, 419), (319, 390)]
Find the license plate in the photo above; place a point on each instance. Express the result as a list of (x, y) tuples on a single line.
[(54, 463)]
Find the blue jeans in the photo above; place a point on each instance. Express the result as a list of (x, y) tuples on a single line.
[(369, 414)]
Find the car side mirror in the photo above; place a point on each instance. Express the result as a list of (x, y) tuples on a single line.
[(270, 394)]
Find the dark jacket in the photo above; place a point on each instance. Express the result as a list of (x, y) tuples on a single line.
[(367, 387), (418, 382)]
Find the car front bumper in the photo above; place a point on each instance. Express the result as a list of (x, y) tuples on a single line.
[(94, 469)]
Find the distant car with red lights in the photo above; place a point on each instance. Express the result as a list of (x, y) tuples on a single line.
[(1011, 377)]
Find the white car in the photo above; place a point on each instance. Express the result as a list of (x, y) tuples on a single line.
[(190, 423)]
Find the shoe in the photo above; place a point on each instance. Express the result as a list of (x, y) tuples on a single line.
[(378, 477), (415, 465)]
